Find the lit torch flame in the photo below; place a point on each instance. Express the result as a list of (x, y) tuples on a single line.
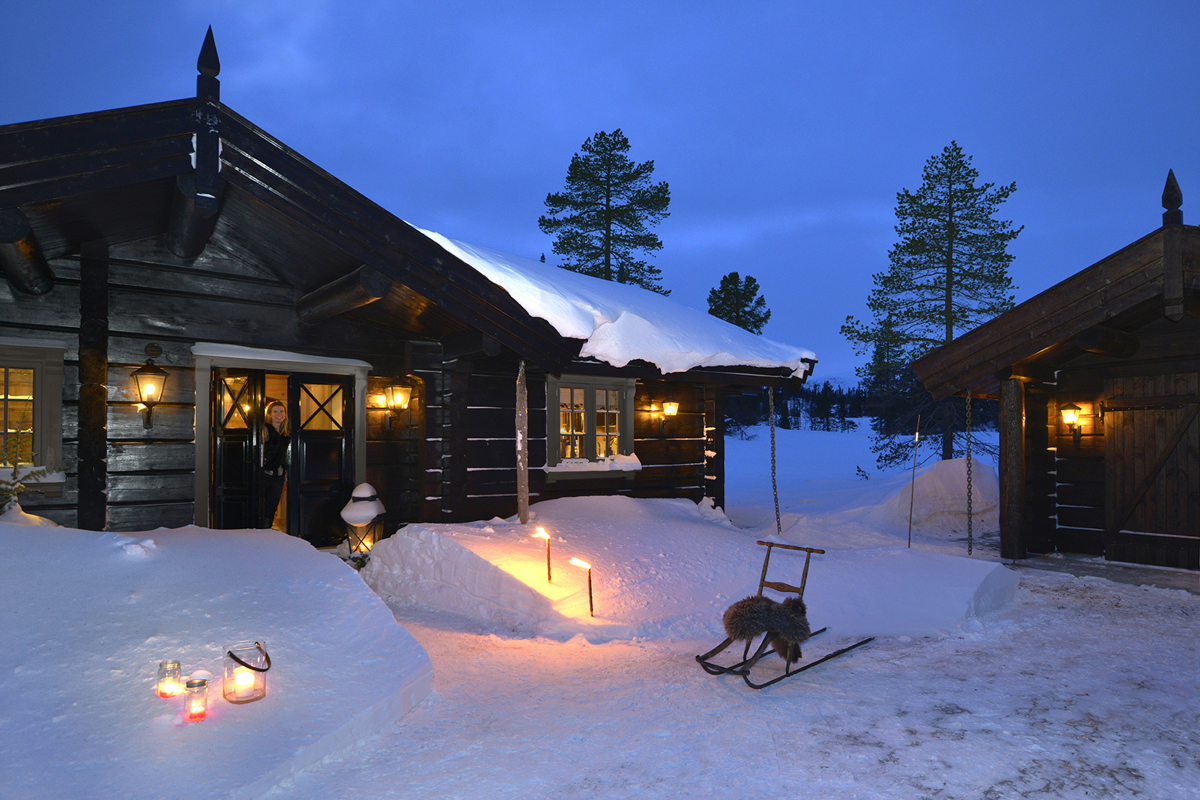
[(578, 563), (541, 534)]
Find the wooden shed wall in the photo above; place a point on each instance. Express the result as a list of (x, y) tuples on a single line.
[(154, 297)]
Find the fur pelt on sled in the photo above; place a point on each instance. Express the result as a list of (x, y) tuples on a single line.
[(755, 615)]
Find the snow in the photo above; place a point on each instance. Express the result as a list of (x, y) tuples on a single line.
[(983, 680), (259, 354), (622, 323), (88, 616)]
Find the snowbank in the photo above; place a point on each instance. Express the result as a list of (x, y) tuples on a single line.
[(667, 569), (940, 499), (89, 615)]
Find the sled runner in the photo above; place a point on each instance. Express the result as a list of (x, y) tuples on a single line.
[(783, 627)]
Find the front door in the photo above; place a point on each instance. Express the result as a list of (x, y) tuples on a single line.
[(319, 460)]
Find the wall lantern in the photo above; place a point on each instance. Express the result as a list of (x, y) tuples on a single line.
[(170, 679), (245, 677), (397, 397), (1070, 415), (195, 703), (363, 516), (150, 380), (670, 409)]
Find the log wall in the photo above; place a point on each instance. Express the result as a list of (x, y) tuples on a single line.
[(155, 297)]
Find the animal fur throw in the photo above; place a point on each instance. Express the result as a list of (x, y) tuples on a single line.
[(787, 622)]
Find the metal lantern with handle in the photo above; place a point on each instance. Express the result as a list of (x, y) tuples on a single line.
[(245, 677)]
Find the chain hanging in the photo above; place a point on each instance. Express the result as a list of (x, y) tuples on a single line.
[(970, 514), (774, 486)]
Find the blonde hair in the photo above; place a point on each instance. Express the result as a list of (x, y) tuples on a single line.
[(283, 429)]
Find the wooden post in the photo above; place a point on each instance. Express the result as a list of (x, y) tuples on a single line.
[(523, 456), (1012, 469), (93, 386)]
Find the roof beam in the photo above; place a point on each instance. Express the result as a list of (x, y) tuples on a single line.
[(21, 257), (362, 286), (1106, 342)]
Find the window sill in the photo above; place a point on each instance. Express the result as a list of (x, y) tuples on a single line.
[(577, 468), (49, 485)]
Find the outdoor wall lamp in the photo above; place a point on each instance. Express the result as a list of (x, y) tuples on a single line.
[(1070, 415), (670, 409), (397, 397), (150, 380)]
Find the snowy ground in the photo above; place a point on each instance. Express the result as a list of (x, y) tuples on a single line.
[(1077, 688), (1067, 687)]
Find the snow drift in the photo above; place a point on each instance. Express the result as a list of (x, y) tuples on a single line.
[(89, 615), (667, 569)]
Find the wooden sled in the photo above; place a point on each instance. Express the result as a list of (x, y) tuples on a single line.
[(748, 661)]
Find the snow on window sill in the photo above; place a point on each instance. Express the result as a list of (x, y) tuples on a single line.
[(50, 485), (582, 468)]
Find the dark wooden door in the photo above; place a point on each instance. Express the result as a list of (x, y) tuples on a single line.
[(321, 409), (237, 407), (1152, 476)]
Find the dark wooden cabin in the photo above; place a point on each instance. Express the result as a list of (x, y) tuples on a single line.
[(181, 232), (1120, 342)]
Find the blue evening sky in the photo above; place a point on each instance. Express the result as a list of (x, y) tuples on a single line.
[(784, 129)]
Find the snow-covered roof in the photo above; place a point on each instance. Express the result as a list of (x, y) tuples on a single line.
[(621, 323)]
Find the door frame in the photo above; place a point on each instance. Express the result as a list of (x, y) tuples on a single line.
[(207, 355)]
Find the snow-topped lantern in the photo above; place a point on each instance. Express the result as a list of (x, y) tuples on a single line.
[(170, 679), (245, 678), (364, 518)]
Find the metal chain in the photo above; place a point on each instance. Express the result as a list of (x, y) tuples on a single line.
[(970, 514), (774, 487)]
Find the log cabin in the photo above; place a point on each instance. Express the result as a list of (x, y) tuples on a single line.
[(1098, 380), (179, 242)]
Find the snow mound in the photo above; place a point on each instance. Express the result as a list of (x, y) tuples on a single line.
[(939, 504), (14, 515), (667, 569), (80, 657)]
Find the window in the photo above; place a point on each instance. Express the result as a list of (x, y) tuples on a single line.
[(593, 423), (31, 374)]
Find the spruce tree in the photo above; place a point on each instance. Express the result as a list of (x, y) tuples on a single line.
[(603, 216), (947, 275), (738, 301)]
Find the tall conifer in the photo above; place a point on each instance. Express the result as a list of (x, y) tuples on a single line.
[(947, 275), (603, 216)]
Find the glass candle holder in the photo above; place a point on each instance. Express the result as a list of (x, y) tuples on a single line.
[(195, 704), (170, 679), (245, 676)]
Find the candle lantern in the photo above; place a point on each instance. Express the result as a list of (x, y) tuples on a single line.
[(170, 679), (363, 516), (245, 678), (195, 703)]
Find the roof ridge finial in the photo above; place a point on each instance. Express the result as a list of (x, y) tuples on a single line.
[(209, 65), (1172, 199)]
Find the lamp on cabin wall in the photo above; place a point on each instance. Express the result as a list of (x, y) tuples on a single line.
[(150, 380), (1070, 415), (670, 409), (397, 396)]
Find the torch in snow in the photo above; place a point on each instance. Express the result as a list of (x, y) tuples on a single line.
[(588, 567), (541, 534)]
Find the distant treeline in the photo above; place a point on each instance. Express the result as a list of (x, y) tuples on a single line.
[(825, 407)]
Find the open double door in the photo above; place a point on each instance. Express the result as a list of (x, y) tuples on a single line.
[(320, 475)]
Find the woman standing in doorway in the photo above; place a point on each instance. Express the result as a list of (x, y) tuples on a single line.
[(276, 439)]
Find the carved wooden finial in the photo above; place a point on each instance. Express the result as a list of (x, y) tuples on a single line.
[(1172, 199), (209, 65)]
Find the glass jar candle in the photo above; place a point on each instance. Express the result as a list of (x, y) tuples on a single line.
[(195, 704), (170, 679), (245, 676)]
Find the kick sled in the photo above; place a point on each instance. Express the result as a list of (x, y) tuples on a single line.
[(783, 627)]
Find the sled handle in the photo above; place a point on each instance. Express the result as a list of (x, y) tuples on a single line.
[(783, 587)]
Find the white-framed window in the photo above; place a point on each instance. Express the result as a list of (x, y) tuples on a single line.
[(589, 422), (31, 379)]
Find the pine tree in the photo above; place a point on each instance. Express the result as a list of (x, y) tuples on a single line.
[(604, 214), (738, 301), (947, 275)]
